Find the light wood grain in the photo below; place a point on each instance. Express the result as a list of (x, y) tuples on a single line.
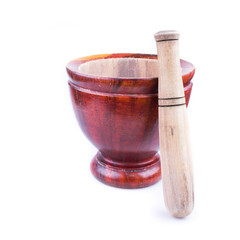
[(174, 138), (121, 68)]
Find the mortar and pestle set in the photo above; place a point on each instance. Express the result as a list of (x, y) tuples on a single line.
[(128, 104)]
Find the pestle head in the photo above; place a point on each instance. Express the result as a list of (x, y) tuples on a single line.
[(166, 35)]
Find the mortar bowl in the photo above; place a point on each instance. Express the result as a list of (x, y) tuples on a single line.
[(115, 100)]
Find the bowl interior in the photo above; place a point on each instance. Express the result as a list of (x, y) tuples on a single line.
[(120, 68)]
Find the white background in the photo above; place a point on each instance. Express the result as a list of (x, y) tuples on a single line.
[(46, 188)]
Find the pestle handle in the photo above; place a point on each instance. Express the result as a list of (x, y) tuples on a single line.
[(174, 140)]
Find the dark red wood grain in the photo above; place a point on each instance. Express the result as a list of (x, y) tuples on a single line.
[(120, 117)]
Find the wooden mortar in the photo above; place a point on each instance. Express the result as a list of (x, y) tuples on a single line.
[(115, 99)]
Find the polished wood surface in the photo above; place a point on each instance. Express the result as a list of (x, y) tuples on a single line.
[(119, 116)]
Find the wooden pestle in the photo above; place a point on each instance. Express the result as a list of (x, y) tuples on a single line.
[(174, 140)]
